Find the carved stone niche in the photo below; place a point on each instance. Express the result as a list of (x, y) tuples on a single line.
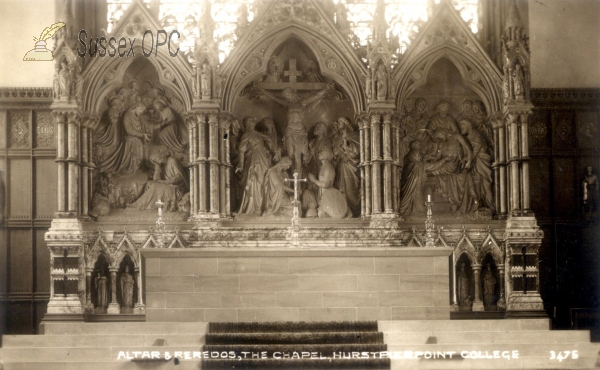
[(447, 148), (100, 284), (490, 283), (465, 286), (140, 149), (296, 111)]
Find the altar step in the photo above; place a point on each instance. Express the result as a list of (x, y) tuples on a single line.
[(293, 345), (81, 345)]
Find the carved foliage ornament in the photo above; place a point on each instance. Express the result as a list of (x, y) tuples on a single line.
[(44, 130), (19, 129), (538, 131)]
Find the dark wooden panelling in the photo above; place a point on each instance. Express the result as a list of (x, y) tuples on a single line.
[(588, 136), (42, 263), (45, 187), (565, 188), (563, 130), (541, 190), (21, 260), (21, 318), (3, 260), (19, 197)]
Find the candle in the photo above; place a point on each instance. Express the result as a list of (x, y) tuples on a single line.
[(428, 198)]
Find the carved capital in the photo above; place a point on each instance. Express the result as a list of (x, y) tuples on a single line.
[(225, 121), (73, 118)]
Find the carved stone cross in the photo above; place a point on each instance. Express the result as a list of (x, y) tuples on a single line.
[(292, 72)]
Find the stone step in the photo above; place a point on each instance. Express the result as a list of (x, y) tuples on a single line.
[(293, 327), (96, 365), (480, 337), (115, 340), (463, 325), (295, 338), (103, 328), (103, 354)]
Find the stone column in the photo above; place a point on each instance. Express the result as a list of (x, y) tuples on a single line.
[(477, 302), (387, 160), (502, 300), (222, 167), (213, 130), (202, 157), (61, 158), (89, 306), (368, 167), (226, 169), (113, 306), (376, 161), (73, 162), (513, 152), (361, 165), (397, 166), (85, 158), (525, 206), (192, 139)]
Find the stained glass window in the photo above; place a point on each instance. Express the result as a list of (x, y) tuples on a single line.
[(404, 17)]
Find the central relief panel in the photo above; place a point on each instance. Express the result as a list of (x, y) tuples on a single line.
[(140, 148), (294, 119)]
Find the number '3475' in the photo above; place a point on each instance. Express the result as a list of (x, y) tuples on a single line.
[(563, 355)]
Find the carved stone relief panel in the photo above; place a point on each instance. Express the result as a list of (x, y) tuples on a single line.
[(447, 145), (19, 129), (44, 130), (140, 149), (293, 119)]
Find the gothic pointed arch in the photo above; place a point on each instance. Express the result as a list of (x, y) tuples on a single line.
[(281, 22), (491, 246), (446, 35), (465, 246), (103, 75), (125, 248), (98, 247)]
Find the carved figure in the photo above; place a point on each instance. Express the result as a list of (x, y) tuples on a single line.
[(419, 115), (273, 70), (506, 85), (64, 80), (347, 155), (450, 177), (442, 119), (481, 164), (369, 86), (168, 183), (242, 20), (271, 132), (480, 118), (467, 111), (295, 137), (205, 81), (332, 203), (464, 288), (418, 161), (127, 285), (489, 287), (382, 82), (277, 200), (312, 72), (341, 18), (518, 82), (101, 290), (254, 160), (590, 192), (310, 196), (173, 133)]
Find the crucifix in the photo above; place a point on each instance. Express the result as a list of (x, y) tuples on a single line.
[(296, 212), (292, 73)]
